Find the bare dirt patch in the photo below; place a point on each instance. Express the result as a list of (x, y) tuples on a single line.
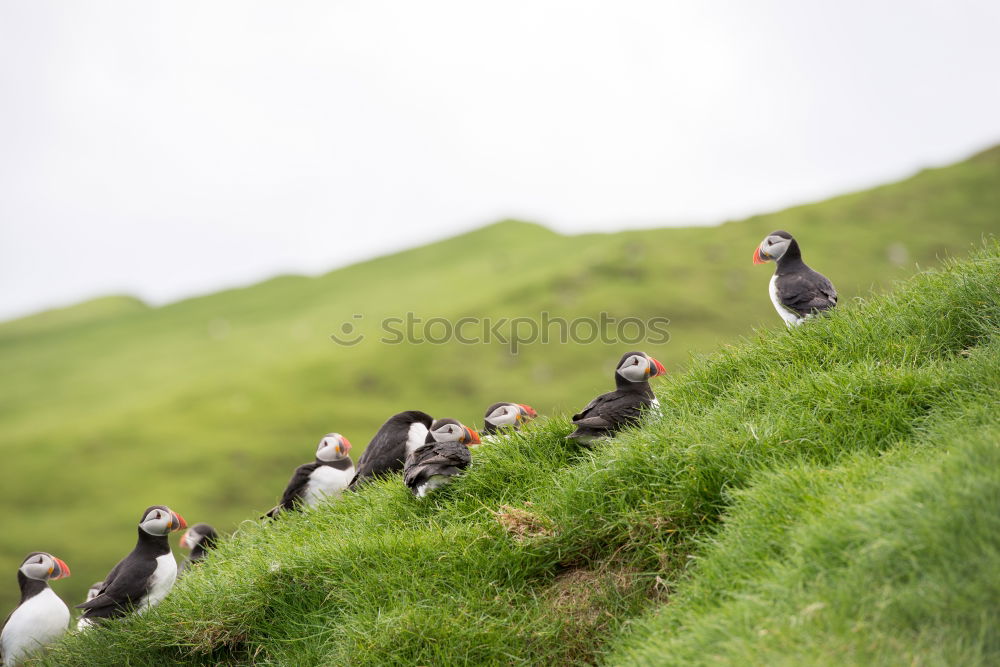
[(523, 525)]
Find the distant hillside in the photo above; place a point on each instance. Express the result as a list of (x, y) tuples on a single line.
[(209, 403), (821, 496)]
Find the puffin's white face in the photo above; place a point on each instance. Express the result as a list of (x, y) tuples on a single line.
[(191, 538), (94, 590), (505, 415), (333, 446), (635, 368), (160, 520), (771, 249), (43, 566), (451, 432), (639, 367)]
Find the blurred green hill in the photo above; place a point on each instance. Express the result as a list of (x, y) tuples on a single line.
[(208, 404)]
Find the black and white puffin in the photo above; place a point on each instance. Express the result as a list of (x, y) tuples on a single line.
[(95, 588), (502, 417), (797, 291), (199, 538), (394, 441), (144, 577), (41, 617), (610, 412), (444, 454), (325, 477)]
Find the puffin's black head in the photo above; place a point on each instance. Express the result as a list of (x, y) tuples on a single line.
[(639, 367), (43, 567), (509, 414), (774, 247), (333, 447), (199, 533), (412, 417), (160, 520), (452, 430)]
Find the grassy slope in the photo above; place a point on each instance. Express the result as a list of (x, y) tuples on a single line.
[(209, 403), (875, 560), (819, 495)]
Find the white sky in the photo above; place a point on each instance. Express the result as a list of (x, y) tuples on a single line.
[(171, 148)]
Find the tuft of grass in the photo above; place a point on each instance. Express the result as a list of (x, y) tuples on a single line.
[(823, 494)]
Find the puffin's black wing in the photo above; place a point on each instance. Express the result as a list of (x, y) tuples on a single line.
[(610, 412), (294, 490), (592, 414), (436, 458), (806, 292), (383, 455), (124, 587), (297, 485)]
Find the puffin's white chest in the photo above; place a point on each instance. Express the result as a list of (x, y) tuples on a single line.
[(654, 408), (415, 437), (433, 482), (788, 316), (161, 581), (41, 620), (326, 481)]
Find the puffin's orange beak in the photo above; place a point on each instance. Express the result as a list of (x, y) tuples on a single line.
[(660, 370), (345, 445), (530, 411), (177, 522), (758, 257), (63, 568), (184, 541), (473, 437)]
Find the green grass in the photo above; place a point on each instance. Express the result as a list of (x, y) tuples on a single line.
[(208, 404), (824, 495), (879, 559)]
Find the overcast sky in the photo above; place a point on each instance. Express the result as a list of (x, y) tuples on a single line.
[(166, 149)]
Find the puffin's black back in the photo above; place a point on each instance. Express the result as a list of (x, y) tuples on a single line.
[(800, 288), (435, 458), (386, 453), (614, 410), (128, 581)]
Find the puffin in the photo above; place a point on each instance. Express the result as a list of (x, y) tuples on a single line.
[(199, 538), (394, 441), (444, 454), (608, 413), (41, 617), (327, 476), (501, 417), (95, 588), (145, 576), (797, 291)]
